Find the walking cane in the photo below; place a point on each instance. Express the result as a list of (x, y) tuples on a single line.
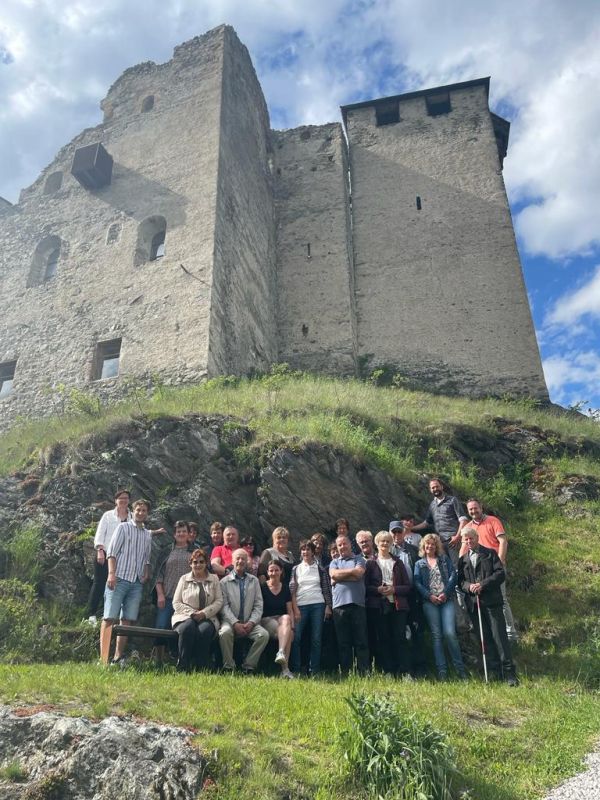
[(482, 642)]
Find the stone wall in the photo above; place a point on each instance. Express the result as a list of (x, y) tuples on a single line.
[(242, 328), (316, 319), (165, 163), (439, 291)]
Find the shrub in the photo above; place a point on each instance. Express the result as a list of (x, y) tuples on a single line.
[(23, 636), (23, 552), (394, 755)]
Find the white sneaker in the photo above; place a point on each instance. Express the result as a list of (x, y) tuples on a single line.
[(285, 673), (280, 657), (92, 620)]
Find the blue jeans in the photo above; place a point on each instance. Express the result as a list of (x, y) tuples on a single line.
[(124, 599), (163, 615), (313, 613), (441, 621)]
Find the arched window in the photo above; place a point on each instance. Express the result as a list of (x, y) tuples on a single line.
[(151, 240), (148, 103), (44, 263)]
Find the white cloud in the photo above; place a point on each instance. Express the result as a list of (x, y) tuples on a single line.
[(312, 57), (572, 306), (573, 377)]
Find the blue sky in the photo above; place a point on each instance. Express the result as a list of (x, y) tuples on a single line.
[(57, 60)]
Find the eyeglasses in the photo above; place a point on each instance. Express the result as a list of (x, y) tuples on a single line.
[(199, 561)]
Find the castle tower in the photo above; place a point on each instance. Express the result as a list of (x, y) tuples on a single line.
[(440, 296), (146, 246)]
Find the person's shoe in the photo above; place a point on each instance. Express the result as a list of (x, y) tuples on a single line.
[(119, 662), (247, 671), (228, 670), (512, 680), (280, 657), (285, 673), (442, 676), (92, 620)]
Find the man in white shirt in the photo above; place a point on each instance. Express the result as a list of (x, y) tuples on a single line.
[(104, 533), (128, 558)]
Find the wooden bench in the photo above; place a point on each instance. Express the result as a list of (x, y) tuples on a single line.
[(144, 633)]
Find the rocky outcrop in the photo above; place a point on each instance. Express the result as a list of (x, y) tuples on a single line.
[(74, 758), (208, 467), (189, 469)]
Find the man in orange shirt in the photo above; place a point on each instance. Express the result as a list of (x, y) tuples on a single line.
[(492, 535)]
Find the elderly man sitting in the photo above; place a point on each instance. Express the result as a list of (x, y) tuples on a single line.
[(241, 613)]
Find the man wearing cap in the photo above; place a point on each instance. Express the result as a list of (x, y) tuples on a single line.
[(410, 537), (409, 555)]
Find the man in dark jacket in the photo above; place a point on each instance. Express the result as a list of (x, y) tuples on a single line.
[(480, 576)]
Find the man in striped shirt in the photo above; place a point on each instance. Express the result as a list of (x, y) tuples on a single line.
[(128, 569)]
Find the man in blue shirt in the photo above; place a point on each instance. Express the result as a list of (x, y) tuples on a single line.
[(347, 574)]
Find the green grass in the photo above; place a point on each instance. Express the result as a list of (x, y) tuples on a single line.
[(13, 772), (355, 416), (272, 736)]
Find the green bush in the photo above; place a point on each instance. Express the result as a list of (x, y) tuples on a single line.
[(23, 635), (396, 756), (23, 552)]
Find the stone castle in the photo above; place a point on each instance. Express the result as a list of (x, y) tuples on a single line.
[(183, 237)]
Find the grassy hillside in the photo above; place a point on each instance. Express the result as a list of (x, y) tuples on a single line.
[(278, 740)]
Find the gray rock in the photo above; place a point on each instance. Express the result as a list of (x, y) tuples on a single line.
[(99, 760)]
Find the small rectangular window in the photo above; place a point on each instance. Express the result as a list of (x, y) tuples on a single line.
[(7, 376), (387, 113), (438, 104), (107, 359)]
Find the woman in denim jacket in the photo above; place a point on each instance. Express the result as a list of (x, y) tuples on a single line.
[(435, 580)]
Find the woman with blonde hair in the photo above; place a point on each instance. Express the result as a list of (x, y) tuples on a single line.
[(278, 552), (435, 580)]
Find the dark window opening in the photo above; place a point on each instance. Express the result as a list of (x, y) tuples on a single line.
[(53, 183), (418, 203), (387, 113), (148, 103), (157, 248), (44, 263), (438, 104), (7, 375), (151, 240), (108, 355), (114, 233)]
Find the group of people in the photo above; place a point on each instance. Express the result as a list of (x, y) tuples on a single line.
[(370, 596)]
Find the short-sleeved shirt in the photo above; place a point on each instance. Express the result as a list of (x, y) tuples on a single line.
[(445, 515), (130, 546), (347, 592), (488, 531), (275, 604), (225, 553)]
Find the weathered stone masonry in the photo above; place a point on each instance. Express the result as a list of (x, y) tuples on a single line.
[(387, 243)]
